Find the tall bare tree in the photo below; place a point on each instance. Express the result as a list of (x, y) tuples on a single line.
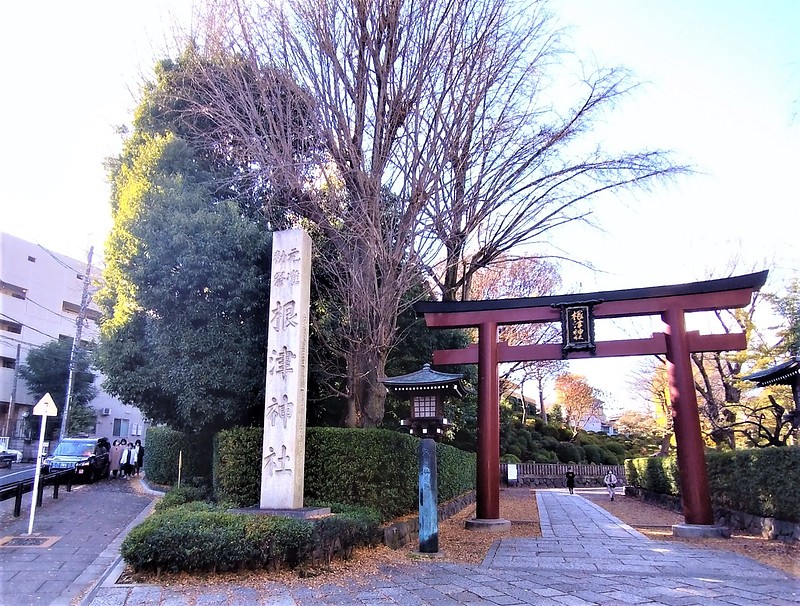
[(523, 277), (415, 137)]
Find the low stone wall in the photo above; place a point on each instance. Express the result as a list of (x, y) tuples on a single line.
[(768, 528), (400, 534)]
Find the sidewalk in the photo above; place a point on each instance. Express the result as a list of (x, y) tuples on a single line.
[(74, 542), (585, 556)]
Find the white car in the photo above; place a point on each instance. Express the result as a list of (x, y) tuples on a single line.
[(16, 453)]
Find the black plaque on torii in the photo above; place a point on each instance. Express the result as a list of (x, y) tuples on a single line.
[(577, 326)]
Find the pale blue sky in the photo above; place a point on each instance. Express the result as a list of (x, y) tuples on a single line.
[(723, 91)]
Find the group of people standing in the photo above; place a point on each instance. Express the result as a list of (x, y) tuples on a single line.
[(126, 458)]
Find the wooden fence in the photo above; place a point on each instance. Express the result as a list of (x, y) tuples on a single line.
[(553, 474)]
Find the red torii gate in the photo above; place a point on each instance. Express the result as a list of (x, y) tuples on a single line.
[(670, 302)]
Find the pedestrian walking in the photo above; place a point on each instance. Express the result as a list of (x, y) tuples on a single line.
[(139, 456), (114, 457), (611, 483), (126, 467), (570, 480)]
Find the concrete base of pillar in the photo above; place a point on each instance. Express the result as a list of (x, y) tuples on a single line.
[(302, 513), (497, 525), (697, 531)]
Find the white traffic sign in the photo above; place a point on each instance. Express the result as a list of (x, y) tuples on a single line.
[(46, 407)]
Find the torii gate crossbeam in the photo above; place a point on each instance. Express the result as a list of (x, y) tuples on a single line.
[(670, 302)]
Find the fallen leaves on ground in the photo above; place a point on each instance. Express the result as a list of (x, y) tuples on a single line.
[(456, 544)]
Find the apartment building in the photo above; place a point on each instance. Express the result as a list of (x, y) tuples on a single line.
[(40, 301)]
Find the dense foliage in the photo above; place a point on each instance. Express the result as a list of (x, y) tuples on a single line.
[(46, 370), (198, 536), (762, 482), (185, 292), (344, 466), (166, 448), (537, 442)]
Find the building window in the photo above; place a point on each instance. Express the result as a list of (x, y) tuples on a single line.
[(121, 428), (71, 308), (12, 290), (32, 259), (8, 362), (11, 327), (425, 407)]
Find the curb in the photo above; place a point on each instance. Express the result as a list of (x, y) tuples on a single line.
[(107, 567)]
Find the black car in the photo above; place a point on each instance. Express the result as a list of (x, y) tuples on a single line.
[(89, 460)]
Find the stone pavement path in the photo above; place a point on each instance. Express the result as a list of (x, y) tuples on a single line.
[(585, 556), (84, 526)]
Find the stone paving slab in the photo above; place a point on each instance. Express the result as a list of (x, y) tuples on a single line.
[(586, 557), (86, 521)]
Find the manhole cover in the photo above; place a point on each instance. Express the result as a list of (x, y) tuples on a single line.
[(28, 541)]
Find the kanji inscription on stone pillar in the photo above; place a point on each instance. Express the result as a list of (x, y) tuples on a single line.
[(283, 451)]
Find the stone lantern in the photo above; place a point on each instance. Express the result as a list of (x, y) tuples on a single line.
[(787, 373), (426, 389)]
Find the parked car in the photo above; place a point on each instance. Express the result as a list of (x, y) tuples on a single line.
[(6, 454), (6, 459), (82, 454)]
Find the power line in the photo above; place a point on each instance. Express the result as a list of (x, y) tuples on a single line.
[(59, 261), (27, 326)]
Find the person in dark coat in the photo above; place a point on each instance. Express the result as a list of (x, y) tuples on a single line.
[(570, 480), (139, 456)]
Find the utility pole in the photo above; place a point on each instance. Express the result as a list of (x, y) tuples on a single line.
[(76, 343), (13, 399)]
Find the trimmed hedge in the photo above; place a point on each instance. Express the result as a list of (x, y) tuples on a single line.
[(762, 482), (161, 457), (370, 467), (199, 536)]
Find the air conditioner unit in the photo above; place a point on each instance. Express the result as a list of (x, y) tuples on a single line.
[(106, 412)]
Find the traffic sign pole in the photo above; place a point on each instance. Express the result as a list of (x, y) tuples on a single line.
[(45, 408)]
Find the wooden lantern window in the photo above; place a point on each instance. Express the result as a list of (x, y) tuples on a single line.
[(426, 407)]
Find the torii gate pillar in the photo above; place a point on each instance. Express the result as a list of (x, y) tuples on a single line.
[(488, 472), (686, 423)]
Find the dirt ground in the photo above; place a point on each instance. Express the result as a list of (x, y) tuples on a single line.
[(456, 544)]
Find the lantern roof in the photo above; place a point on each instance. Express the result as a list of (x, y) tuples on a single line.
[(781, 374), (429, 380)]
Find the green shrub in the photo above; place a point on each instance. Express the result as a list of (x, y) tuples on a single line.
[(569, 453), (657, 474), (180, 495), (594, 454), (162, 454), (198, 537), (237, 468), (344, 465), (762, 482), (181, 539)]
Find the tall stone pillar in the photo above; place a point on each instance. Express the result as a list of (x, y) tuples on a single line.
[(283, 461)]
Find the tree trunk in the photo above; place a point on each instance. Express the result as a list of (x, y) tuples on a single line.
[(542, 409), (367, 396)]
